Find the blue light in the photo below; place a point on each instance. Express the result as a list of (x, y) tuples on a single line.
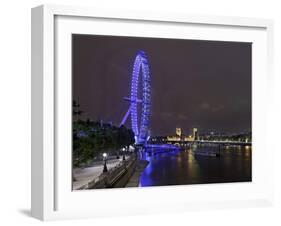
[(161, 146), (140, 131)]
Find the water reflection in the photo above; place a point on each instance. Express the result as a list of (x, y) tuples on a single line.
[(188, 167)]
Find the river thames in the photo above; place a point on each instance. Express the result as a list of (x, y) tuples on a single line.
[(184, 166)]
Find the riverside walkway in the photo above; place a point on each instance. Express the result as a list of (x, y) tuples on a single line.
[(83, 176)]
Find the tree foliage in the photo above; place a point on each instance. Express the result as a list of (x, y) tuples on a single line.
[(91, 138)]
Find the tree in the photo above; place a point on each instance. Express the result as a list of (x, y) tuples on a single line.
[(90, 139)]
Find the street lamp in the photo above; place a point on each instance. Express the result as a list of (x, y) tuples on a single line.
[(123, 149), (104, 162)]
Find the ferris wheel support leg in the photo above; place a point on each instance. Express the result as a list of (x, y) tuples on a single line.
[(125, 117)]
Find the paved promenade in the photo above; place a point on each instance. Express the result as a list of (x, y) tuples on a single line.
[(85, 175)]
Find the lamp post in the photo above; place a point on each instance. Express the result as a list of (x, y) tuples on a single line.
[(123, 149), (104, 162)]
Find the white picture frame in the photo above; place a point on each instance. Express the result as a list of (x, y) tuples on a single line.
[(52, 197)]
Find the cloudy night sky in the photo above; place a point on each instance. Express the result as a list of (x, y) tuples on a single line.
[(204, 84)]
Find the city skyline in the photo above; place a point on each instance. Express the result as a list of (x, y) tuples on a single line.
[(204, 84)]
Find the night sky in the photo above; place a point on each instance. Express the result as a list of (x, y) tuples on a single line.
[(204, 84)]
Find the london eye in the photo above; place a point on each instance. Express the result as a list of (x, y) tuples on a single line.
[(140, 101)]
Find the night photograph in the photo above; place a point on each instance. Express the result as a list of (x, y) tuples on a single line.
[(158, 112)]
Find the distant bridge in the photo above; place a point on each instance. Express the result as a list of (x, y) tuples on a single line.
[(238, 143)]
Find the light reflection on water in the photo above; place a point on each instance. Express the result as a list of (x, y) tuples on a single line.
[(184, 167)]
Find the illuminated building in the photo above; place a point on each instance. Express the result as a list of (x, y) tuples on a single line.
[(180, 137), (173, 138), (189, 138), (178, 132), (176, 137), (195, 133)]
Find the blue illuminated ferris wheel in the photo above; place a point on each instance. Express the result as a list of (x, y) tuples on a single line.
[(140, 121)]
